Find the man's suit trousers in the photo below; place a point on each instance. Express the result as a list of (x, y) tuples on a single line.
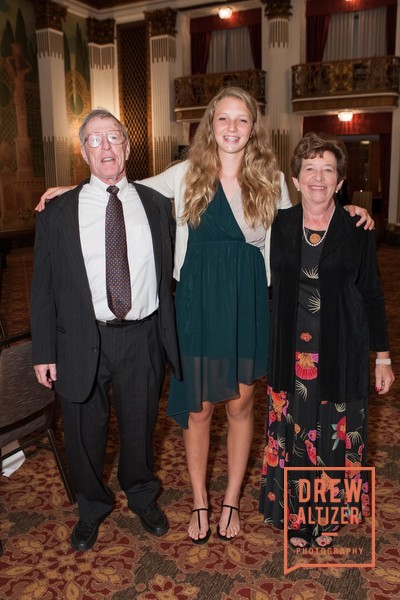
[(132, 365)]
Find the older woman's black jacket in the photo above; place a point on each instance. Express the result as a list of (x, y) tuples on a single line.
[(353, 320)]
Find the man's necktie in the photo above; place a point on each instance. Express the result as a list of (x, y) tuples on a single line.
[(118, 282)]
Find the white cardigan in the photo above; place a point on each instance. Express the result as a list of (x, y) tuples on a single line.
[(170, 183)]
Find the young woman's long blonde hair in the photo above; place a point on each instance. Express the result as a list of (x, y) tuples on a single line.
[(258, 174)]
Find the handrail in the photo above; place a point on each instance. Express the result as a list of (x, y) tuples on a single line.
[(197, 90), (344, 77)]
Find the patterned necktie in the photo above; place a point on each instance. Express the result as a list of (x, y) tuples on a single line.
[(118, 282)]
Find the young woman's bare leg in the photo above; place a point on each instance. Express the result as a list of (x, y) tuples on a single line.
[(197, 442), (240, 437)]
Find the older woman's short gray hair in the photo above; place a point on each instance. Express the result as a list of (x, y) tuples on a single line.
[(315, 144)]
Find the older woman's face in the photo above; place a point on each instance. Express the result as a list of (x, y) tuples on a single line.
[(318, 179)]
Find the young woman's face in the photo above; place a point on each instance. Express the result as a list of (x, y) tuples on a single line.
[(232, 125)]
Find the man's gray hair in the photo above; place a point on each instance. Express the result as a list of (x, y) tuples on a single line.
[(101, 113)]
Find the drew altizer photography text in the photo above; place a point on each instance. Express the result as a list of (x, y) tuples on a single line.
[(332, 499), (338, 514)]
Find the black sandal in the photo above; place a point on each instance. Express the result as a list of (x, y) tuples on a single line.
[(225, 538), (204, 539)]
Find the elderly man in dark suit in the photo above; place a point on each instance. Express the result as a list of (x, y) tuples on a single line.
[(102, 315)]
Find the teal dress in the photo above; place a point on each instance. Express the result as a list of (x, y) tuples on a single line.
[(222, 312)]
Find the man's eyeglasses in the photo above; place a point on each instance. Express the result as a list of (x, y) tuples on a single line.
[(94, 140)]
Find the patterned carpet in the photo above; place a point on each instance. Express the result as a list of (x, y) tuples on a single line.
[(126, 564)]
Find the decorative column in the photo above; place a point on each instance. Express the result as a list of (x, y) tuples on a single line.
[(102, 63), (276, 62), (162, 74), (50, 40)]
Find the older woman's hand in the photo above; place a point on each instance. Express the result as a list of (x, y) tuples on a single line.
[(365, 217), (384, 378)]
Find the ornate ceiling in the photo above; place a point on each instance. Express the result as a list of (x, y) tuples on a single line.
[(200, 7), (100, 4)]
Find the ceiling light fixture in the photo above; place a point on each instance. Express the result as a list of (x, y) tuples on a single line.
[(345, 115), (225, 12)]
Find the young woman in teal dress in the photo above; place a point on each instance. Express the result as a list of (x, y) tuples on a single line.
[(226, 196)]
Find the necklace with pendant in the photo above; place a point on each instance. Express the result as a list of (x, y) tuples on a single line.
[(315, 239)]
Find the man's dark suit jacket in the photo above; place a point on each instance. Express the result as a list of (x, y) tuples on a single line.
[(63, 322)]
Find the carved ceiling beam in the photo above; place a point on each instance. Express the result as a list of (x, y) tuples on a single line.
[(277, 9), (100, 32), (49, 15), (161, 22)]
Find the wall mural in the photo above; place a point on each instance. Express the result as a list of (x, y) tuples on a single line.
[(21, 150)]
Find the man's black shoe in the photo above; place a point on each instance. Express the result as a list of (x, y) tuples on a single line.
[(153, 519), (84, 535)]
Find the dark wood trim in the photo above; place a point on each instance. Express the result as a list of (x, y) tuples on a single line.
[(316, 7), (214, 23)]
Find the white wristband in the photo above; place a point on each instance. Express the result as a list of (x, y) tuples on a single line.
[(383, 361)]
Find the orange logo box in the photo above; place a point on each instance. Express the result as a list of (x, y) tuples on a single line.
[(319, 493)]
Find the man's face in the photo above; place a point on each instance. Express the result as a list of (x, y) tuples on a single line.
[(107, 161)]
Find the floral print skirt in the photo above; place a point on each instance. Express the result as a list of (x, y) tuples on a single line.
[(303, 432)]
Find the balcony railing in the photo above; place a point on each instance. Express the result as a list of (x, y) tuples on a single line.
[(192, 94), (378, 75)]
